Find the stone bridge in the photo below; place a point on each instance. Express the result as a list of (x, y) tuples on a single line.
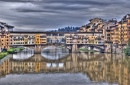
[(72, 47), (38, 48)]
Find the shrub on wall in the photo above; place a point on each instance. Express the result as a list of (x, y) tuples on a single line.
[(127, 49)]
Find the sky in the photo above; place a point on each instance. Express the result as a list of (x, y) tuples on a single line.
[(42, 15)]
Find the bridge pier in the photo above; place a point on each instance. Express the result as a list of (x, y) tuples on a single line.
[(91, 47), (38, 49), (74, 48), (70, 50), (69, 47)]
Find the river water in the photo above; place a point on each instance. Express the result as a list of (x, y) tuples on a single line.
[(51, 67)]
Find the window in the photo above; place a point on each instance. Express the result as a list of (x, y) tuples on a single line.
[(108, 34)]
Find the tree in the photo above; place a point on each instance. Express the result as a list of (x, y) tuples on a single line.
[(67, 29), (129, 42), (127, 50)]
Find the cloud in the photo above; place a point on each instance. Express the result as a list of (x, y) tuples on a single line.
[(20, 0), (53, 14)]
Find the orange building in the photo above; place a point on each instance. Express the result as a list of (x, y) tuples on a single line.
[(5, 41), (121, 34), (37, 39), (40, 39)]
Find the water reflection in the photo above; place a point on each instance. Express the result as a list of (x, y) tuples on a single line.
[(25, 54), (99, 68), (54, 52)]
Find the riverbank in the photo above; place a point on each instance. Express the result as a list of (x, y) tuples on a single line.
[(10, 51), (3, 54)]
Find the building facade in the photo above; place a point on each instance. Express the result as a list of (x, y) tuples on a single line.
[(84, 38), (121, 34), (5, 30), (97, 32)]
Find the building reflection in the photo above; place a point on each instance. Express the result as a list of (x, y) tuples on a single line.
[(98, 67)]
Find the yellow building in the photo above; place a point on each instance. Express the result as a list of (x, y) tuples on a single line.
[(40, 39), (37, 39), (92, 40), (5, 41), (121, 34), (95, 25)]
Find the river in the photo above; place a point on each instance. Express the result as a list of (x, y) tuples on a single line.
[(55, 68)]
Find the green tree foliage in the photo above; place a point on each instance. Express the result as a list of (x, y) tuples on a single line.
[(127, 50), (67, 29), (3, 54)]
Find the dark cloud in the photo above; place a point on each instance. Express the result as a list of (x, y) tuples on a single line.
[(34, 10), (84, 2), (53, 14), (19, 0)]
